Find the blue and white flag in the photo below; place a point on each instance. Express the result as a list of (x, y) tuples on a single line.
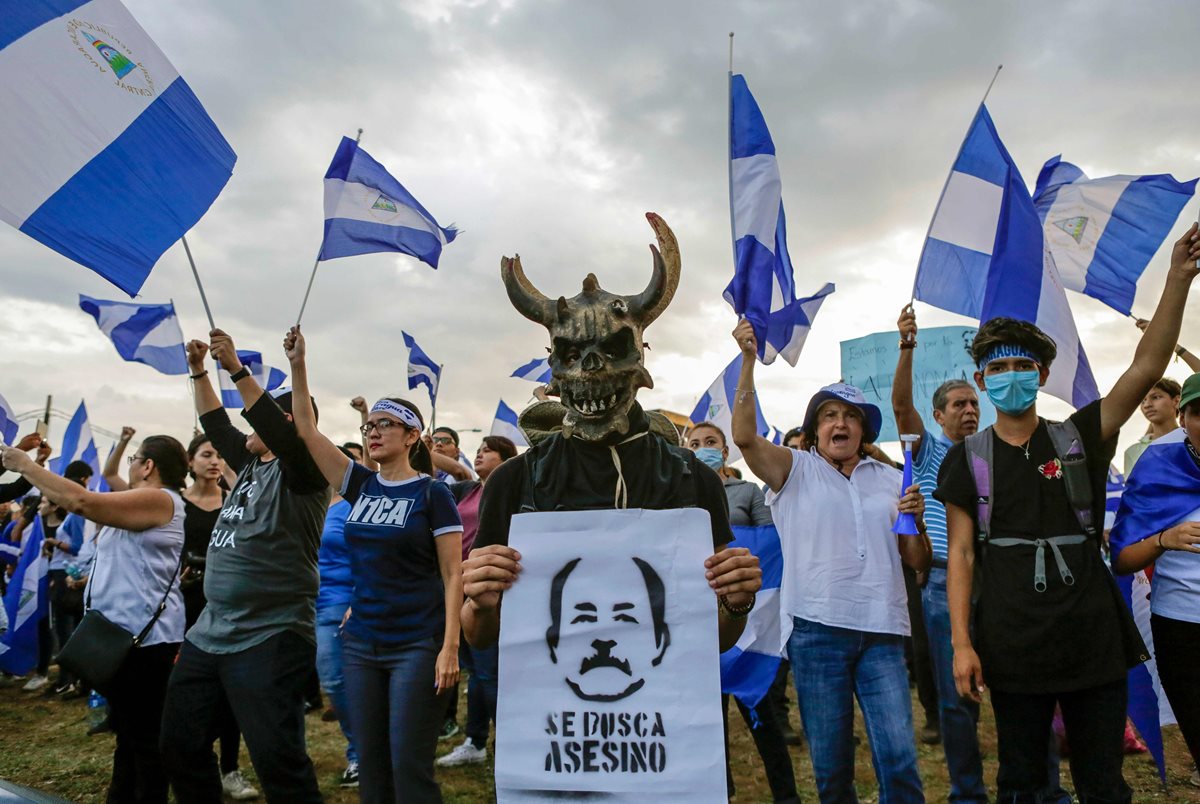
[(984, 257), (108, 157), (142, 333), (716, 406), (762, 289), (26, 602), (8, 422), (1101, 233), (421, 369), (367, 210), (505, 424), (78, 445), (749, 667), (268, 377), (536, 370)]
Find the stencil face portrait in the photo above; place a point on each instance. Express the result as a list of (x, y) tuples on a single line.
[(607, 636)]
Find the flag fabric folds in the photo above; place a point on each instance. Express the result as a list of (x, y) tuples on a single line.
[(1101, 233), (1162, 490), (421, 369), (269, 377), (763, 289), (505, 424), (142, 333), (536, 370), (367, 210), (716, 406), (108, 156), (26, 602), (8, 422), (749, 667), (78, 445), (984, 257)]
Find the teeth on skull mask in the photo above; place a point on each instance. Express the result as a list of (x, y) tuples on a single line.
[(597, 349)]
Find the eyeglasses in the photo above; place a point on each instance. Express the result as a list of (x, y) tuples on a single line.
[(382, 425), (443, 440), (132, 459)]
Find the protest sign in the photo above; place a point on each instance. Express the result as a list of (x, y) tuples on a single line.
[(609, 676), (941, 354)]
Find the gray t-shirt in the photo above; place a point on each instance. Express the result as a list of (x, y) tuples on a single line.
[(261, 574)]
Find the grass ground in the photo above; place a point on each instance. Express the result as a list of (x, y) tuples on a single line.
[(43, 745)]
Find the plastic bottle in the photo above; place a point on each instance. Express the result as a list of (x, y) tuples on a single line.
[(97, 709)]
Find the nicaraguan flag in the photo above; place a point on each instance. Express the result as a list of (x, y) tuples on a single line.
[(716, 406), (108, 157), (26, 602), (142, 333), (749, 667), (268, 377), (1162, 491), (984, 257), (762, 289), (367, 210), (505, 424), (536, 370), (1102, 233), (421, 368), (78, 445), (8, 422)]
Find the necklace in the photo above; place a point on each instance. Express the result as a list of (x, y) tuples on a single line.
[(1025, 446)]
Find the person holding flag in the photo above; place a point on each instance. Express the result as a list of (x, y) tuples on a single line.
[(20, 487), (1035, 492), (1157, 523)]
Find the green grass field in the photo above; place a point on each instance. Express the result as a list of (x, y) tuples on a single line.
[(43, 745)]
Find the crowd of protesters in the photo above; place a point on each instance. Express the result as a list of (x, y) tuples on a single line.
[(249, 565)]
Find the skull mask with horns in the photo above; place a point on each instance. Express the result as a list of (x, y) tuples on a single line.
[(597, 350)]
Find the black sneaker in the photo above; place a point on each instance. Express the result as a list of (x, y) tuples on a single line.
[(349, 776), (449, 729)]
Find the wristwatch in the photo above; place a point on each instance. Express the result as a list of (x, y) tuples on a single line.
[(240, 374)]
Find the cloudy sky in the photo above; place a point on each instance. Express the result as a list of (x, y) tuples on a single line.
[(549, 128)]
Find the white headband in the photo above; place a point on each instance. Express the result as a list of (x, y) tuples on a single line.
[(399, 411)]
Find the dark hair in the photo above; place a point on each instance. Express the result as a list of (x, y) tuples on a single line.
[(790, 434), (1003, 330), (198, 441), (710, 426), (77, 471), (501, 445), (169, 458), (448, 431), (1169, 387), (941, 397), (346, 452), (284, 401), (351, 445), (1192, 408), (654, 589), (418, 457)]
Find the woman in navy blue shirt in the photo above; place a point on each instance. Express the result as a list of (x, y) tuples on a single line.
[(400, 642)]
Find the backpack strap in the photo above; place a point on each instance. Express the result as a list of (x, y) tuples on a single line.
[(979, 460), (1068, 446)]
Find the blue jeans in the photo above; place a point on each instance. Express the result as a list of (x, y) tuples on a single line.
[(481, 692), (959, 716), (329, 669), (834, 666), (396, 715)]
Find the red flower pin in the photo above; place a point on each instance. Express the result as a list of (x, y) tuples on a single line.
[(1051, 470)]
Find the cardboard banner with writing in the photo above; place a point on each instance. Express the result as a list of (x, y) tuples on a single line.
[(609, 669)]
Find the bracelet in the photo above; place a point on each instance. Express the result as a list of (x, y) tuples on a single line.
[(740, 612), (1160, 544), (198, 376), (240, 374), (908, 344), (1180, 351)]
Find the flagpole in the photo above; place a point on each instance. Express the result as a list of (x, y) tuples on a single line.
[(946, 184), (199, 284), (729, 150), (433, 401), (317, 261)]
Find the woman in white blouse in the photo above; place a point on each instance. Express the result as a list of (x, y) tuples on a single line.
[(136, 563)]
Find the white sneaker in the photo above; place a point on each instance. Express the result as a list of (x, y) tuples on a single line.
[(236, 787), (464, 754), (35, 683)]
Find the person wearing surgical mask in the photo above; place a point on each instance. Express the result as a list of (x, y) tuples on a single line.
[(747, 507), (1048, 626)]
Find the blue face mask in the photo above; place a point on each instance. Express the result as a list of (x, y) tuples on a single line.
[(1013, 392), (711, 456)]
